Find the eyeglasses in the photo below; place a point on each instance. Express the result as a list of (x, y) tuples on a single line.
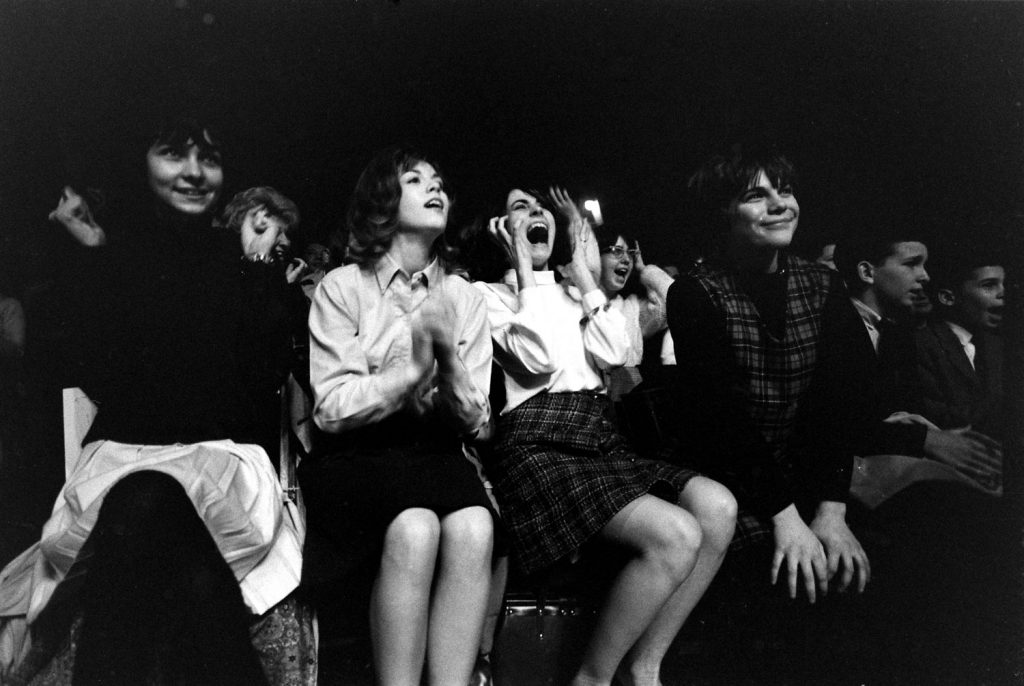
[(618, 251)]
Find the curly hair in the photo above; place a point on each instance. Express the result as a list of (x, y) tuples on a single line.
[(372, 217), (276, 205)]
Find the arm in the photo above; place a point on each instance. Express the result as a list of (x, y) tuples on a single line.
[(656, 282), (518, 334), (347, 394)]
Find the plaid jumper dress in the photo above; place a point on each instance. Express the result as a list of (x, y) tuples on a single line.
[(773, 374)]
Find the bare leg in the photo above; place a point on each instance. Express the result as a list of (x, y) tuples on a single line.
[(499, 577), (666, 540), (715, 510), (399, 606), (461, 592)]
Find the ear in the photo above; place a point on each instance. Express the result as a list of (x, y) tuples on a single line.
[(946, 297), (866, 272)]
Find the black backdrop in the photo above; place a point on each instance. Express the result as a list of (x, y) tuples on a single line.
[(912, 108)]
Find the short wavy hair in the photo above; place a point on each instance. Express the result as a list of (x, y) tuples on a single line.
[(275, 203), (720, 180), (372, 217)]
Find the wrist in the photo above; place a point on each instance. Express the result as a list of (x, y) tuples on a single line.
[(831, 509)]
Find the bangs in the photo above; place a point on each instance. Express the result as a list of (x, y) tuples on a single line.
[(179, 132)]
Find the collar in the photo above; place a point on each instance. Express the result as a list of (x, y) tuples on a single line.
[(543, 278), (386, 269), (871, 319), (962, 334)]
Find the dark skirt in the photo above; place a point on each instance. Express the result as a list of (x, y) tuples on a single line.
[(561, 471), (359, 481)]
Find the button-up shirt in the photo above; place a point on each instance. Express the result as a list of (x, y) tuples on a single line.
[(550, 337), (965, 337), (360, 332)]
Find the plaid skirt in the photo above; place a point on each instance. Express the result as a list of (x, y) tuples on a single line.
[(561, 471)]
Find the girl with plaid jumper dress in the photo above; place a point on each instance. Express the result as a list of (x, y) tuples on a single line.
[(563, 474), (749, 329)]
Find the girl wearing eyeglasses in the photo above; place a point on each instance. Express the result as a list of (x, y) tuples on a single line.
[(637, 290)]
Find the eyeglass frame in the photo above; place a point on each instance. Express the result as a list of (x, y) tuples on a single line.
[(618, 251)]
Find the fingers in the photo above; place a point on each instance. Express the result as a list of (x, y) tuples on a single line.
[(792, 572), (848, 570), (834, 559), (988, 443), (820, 568), (804, 566), (776, 565), (863, 570)]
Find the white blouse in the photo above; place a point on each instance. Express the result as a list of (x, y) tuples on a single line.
[(549, 337)]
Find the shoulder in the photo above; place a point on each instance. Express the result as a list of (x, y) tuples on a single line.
[(462, 290), (822, 276)]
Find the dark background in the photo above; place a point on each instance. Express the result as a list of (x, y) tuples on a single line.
[(895, 109)]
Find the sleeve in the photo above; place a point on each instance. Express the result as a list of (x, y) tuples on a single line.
[(653, 312), (848, 400), (605, 337), (519, 333), (463, 396), (821, 438), (718, 427), (346, 394)]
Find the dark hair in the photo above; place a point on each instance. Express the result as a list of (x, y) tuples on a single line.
[(953, 262), (276, 205), (372, 217), (720, 180), (484, 259), (178, 131), (873, 245)]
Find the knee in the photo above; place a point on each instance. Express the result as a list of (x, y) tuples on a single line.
[(470, 532), (675, 544), (715, 509), (412, 538)]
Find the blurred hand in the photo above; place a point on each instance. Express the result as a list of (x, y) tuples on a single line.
[(295, 270), (73, 213), (563, 202), (514, 244), (970, 452)]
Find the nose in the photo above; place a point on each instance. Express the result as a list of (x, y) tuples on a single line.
[(434, 186), (192, 168), (776, 204), (923, 276)]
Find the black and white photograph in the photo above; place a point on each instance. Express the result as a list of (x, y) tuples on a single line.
[(512, 342)]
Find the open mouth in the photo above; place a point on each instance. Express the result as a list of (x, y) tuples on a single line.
[(622, 272), (538, 233), (435, 203)]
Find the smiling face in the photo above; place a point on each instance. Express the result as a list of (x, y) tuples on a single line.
[(763, 218), (520, 206), (616, 266), (187, 177), (424, 204)]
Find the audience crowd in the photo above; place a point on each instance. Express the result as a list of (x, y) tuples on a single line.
[(814, 458)]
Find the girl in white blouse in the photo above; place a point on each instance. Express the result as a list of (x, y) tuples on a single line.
[(400, 360), (562, 473)]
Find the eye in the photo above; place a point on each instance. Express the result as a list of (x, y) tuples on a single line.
[(168, 152), (210, 158), (786, 190)]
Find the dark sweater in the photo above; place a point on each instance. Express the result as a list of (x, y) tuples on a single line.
[(179, 339), (805, 464)]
